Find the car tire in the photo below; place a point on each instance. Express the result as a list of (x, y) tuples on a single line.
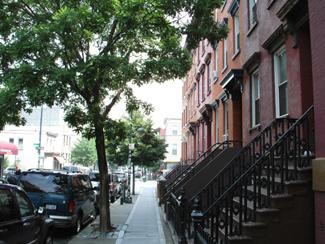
[(48, 239), (113, 198)]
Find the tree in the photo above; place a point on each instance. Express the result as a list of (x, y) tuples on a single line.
[(149, 148), (84, 152), (83, 56)]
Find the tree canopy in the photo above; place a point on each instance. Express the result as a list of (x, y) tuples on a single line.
[(84, 55), (84, 153), (149, 148)]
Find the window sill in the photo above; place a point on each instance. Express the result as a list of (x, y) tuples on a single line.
[(255, 128), (235, 54), (224, 69), (251, 29), (283, 116)]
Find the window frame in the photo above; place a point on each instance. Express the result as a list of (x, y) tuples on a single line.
[(236, 33), (225, 54), (254, 98), (278, 83), (252, 18)]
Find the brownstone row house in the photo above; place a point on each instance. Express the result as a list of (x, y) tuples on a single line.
[(270, 68)]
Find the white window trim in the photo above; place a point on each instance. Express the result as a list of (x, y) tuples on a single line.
[(253, 96), (276, 82), (236, 32), (225, 53)]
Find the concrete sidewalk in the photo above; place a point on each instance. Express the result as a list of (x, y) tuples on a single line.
[(139, 222)]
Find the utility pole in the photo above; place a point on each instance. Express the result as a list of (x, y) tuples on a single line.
[(40, 137)]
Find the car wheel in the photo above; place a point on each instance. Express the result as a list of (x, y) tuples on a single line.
[(113, 199), (48, 239)]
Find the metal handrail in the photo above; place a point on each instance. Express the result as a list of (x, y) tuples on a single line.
[(195, 164), (256, 140), (261, 159), (288, 144)]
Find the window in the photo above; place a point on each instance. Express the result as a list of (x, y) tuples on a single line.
[(252, 13), (20, 143), (174, 132), (226, 120), (198, 91), (217, 125), (216, 63), (225, 54), (281, 83), (209, 76), (7, 210), (174, 149), (25, 206), (11, 140), (236, 33), (203, 85), (255, 99)]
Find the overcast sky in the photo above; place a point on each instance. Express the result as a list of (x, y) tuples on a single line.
[(166, 99)]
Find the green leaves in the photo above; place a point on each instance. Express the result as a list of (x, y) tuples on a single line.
[(84, 153)]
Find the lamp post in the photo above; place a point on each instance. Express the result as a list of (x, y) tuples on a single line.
[(130, 165)]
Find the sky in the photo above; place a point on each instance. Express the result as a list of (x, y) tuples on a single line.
[(166, 99)]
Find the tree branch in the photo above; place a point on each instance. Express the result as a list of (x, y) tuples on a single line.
[(113, 102)]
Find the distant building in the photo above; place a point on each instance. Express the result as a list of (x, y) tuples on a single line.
[(52, 151), (172, 133)]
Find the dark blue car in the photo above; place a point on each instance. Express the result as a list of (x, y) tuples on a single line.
[(20, 221), (68, 198)]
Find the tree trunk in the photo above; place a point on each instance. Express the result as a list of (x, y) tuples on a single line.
[(104, 210)]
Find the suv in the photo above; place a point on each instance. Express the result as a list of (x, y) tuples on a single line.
[(114, 186), (68, 198), (20, 222)]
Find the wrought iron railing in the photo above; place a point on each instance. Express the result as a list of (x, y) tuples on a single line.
[(243, 159), (190, 171), (258, 146), (175, 172), (249, 184)]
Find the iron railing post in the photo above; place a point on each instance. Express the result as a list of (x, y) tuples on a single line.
[(197, 218), (182, 214)]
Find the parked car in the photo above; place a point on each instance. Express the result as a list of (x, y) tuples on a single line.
[(68, 198), (20, 221), (114, 185)]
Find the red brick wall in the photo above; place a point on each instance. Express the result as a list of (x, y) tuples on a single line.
[(317, 34)]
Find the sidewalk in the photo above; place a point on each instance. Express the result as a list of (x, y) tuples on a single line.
[(139, 222)]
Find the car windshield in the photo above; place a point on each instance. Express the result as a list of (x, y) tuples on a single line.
[(44, 182), (94, 176)]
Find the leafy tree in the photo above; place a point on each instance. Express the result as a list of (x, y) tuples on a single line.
[(149, 148), (83, 56), (84, 152)]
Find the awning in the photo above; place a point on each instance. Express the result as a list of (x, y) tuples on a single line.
[(8, 148)]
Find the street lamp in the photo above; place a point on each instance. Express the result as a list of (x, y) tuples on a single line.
[(131, 147)]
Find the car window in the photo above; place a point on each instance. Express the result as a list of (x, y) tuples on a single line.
[(25, 206), (94, 176), (44, 182), (7, 209), (76, 184)]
